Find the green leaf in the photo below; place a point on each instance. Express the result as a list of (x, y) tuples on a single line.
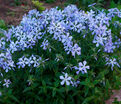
[(14, 98), (27, 89), (54, 92)]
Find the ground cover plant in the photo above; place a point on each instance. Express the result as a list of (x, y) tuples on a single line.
[(58, 56), (38, 5), (100, 3), (48, 1)]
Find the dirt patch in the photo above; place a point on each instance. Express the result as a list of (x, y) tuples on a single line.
[(116, 94), (12, 15)]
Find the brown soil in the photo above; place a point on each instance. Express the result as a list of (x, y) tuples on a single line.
[(117, 95), (12, 15)]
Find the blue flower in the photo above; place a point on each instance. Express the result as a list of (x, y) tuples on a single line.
[(7, 82), (82, 67), (65, 79), (112, 62)]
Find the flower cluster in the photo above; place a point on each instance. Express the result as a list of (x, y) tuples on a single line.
[(59, 24), (112, 62), (6, 61), (82, 67), (117, 43), (7, 82), (114, 12), (66, 29), (45, 45), (68, 80), (2, 43), (33, 60)]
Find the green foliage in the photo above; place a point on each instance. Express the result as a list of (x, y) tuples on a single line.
[(2, 24), (116, 102), (38, 5), (113, 4), (48, 1), (99, 3), (84, 3), (17, 2), (3, 27)]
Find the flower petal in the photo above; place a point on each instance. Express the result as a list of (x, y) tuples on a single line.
[(61, 77), (69, 78), (67, 83), (62, 82), (84, 62), (66, 75)]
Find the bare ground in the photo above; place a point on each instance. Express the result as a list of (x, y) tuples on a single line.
[(117, 95), (12, 15)]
